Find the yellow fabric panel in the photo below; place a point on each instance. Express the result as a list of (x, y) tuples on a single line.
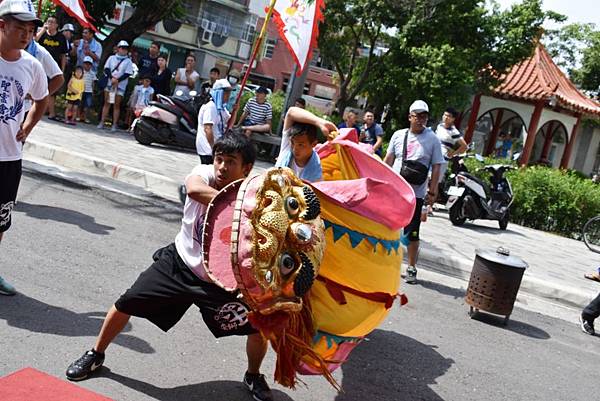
[(357, 318), (339, 166)]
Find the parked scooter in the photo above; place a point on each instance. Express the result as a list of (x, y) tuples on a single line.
[(455, 165), (172, 120), (471, 198)]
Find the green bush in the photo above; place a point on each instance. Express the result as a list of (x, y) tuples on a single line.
[(553, 200)]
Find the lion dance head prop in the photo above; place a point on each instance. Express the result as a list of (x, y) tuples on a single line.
[(270, 227)]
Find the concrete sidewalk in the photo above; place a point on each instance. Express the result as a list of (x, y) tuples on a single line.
[(556, 264)]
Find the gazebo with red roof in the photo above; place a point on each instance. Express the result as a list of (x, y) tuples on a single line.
[(540, 94)]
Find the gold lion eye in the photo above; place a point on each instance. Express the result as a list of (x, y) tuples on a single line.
[(287, 264), (292, 206)]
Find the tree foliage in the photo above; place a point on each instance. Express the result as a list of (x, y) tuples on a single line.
[(576, 47), (439, 51)]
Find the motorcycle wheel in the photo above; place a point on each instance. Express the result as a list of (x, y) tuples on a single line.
[(455, 215), (141, 137), (503, 223)]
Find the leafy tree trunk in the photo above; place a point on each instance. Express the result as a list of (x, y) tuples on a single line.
[(144, 17)]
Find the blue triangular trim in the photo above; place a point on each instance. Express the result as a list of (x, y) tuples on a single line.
[(356, 237)]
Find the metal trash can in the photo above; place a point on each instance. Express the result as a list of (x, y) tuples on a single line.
[(495, 281)]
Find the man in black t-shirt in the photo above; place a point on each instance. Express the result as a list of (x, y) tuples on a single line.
[(147, 65), (56, 44)]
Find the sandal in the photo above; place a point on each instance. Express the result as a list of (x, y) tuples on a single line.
[(592, 276)]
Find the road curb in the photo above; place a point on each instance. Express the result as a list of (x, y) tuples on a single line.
[(152, 182), (460, 268)]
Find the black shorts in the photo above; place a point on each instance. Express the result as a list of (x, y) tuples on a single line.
[(10, 177), (74, 102), (412, 229), (164, 292)]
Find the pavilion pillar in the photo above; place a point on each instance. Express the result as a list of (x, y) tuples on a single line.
[(473, 118), (547, 141), (532, 130), (564, 163), (491, 145)]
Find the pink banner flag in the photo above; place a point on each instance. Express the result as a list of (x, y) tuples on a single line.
[(298, 25), (76, 9)]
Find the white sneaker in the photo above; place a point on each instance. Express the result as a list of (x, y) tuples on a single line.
[(100, 126), (411, 275)]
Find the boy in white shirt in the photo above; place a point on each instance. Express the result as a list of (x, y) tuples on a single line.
[(21, 75), (89, 77)]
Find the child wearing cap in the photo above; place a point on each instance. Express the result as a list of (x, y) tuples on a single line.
[(89, 77), (140, 98)]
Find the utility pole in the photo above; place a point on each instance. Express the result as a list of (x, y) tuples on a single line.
[(295, 89)]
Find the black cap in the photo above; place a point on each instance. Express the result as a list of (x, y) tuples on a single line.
[(262, 89)]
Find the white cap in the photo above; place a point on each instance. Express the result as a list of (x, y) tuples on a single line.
[(68, 27), (88, 59), (20, 9), (222, 84), (123, 43), (418, 106)]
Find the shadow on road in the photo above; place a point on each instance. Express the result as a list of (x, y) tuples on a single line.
[(455, 293), (207, 391), (45, 212), (515, 326), (390, 366), (32, 315)]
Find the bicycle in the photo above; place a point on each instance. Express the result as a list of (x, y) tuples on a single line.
[(591, 234)]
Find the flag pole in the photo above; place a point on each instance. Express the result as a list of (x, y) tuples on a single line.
[(257, 46)]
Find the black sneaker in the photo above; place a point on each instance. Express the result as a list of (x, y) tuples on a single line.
[(411, 275), (587, 326), (258, 386), (82, 367)]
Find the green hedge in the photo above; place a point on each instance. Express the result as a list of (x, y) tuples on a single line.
[(548, 199)]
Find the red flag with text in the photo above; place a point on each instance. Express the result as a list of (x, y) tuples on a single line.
[(298, 25), (77, 10)]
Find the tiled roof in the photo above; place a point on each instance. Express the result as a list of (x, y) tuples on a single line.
[(538, 78)]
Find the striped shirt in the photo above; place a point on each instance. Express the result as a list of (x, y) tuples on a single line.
[(258, 113), (88, 79)]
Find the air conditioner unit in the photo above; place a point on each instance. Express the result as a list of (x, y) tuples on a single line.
[(207, 36)]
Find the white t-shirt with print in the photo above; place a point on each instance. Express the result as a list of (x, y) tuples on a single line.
[(448, 137), (50, 67), (17, 79), (189, 239), (208, 114), (182, 77)]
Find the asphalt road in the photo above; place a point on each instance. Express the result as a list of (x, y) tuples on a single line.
[(72, 250)]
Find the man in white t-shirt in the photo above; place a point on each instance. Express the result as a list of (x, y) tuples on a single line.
[(177, 279), (450, 138), (50, 66), (212, 120), (21, 75)]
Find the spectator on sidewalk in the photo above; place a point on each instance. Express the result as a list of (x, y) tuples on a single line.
[(118, 68), (67, 31), (451, 139), (298, 142), (21, 76), (186, 77), (177, 279), (87, 46), (350, 121), (212, 120), (87, 100), (148, 64), (56, 44), (213, 75), (589, 314), (161, 80), (417, 144), (234, 80), (140, 98), (75, 89), (257, 114), (372, 133)]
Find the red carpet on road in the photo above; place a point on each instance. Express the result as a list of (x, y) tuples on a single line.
[(29, 384)]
